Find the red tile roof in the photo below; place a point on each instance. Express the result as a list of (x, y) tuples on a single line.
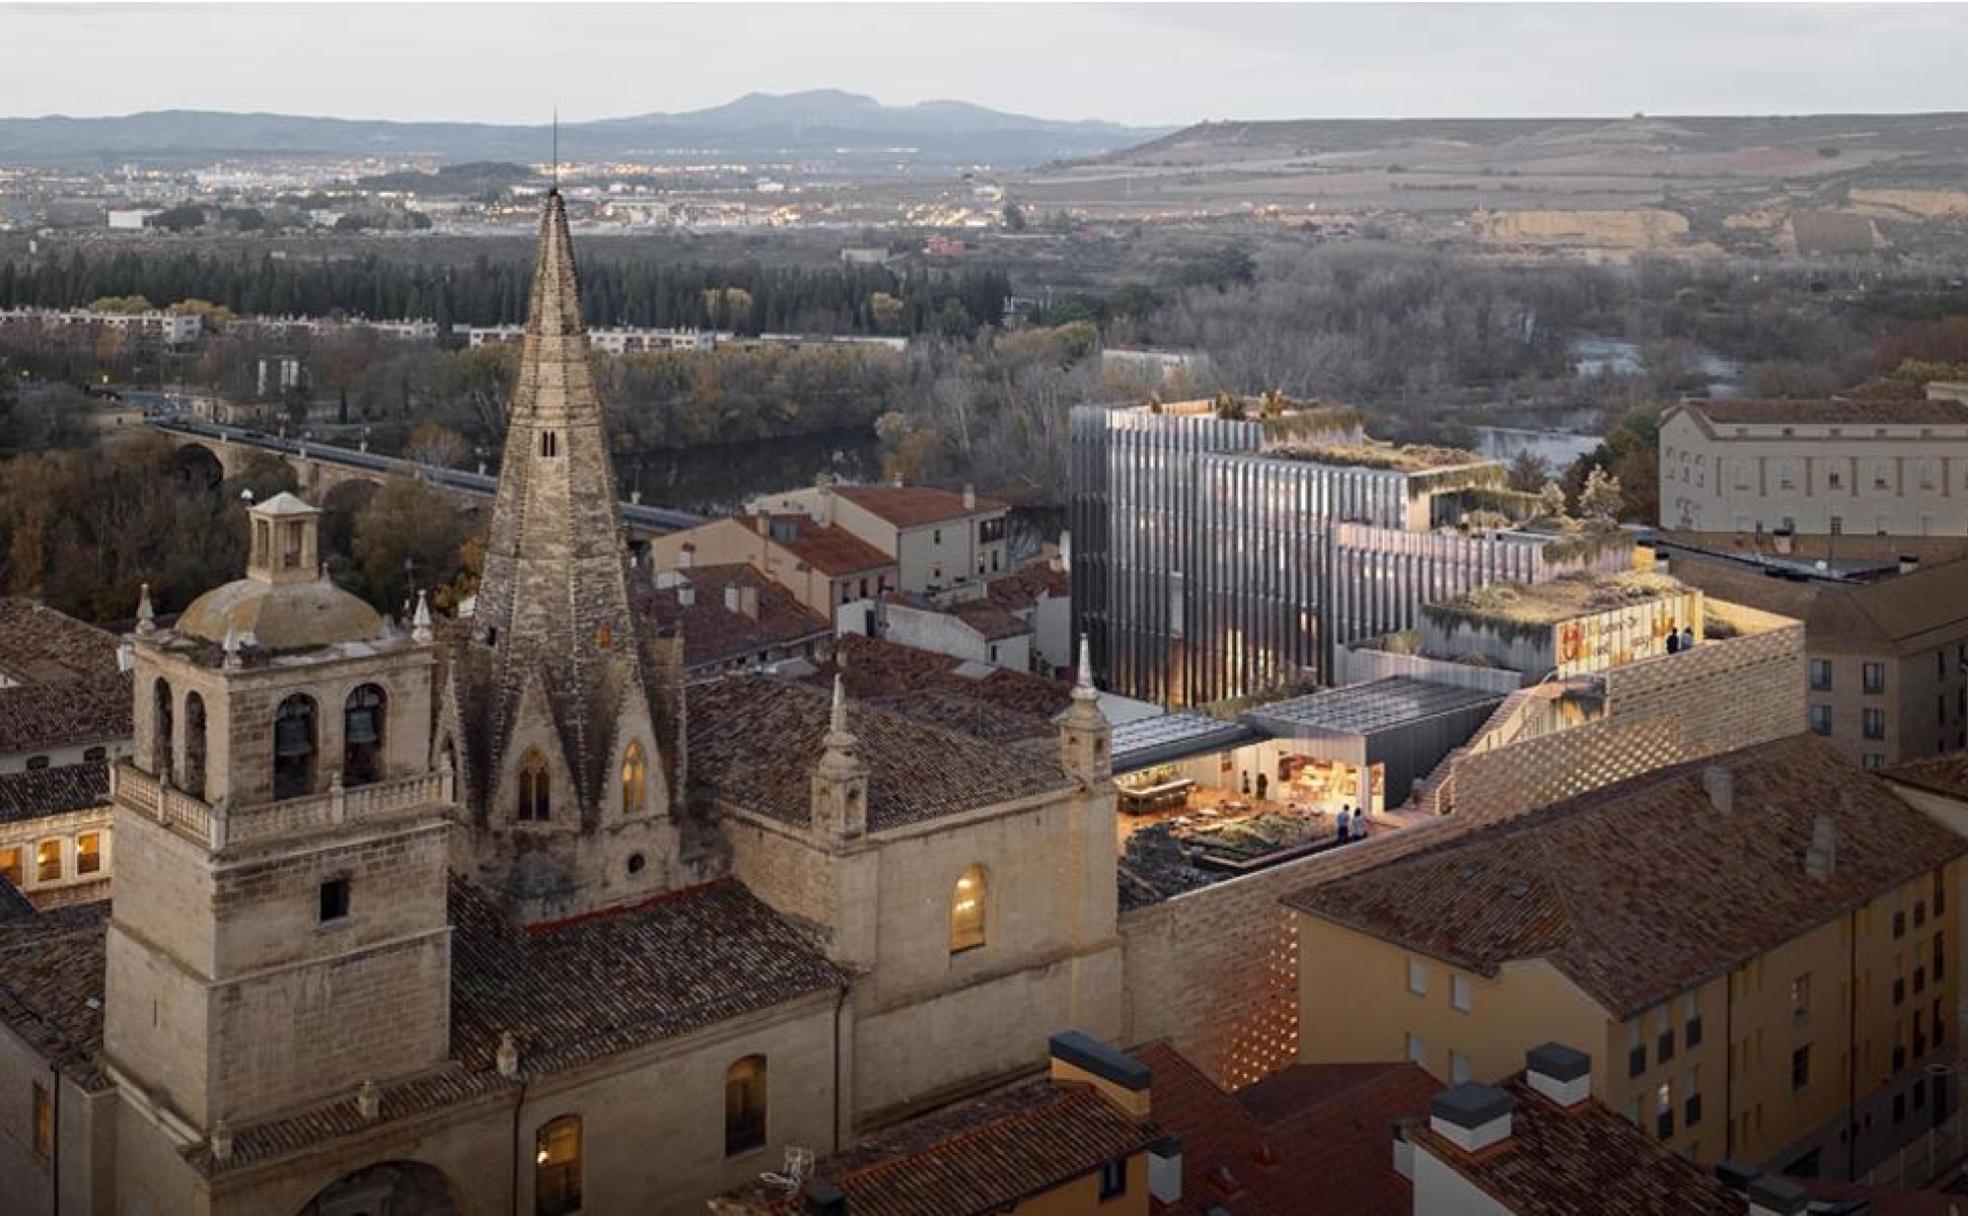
[(926, 685), (1313, 1140), (1622, 889), (828, 548), (713, 633), (51, 985), (1024, 587), (977, 1158), (1561, 1162), (1943, 774), (990, 621), (914, 506), (39, 645)]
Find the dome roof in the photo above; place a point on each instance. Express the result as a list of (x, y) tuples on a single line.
[(282, 616)]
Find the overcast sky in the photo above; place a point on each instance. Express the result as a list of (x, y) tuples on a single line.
[(1136, 63)]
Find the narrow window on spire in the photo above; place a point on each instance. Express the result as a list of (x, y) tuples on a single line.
[(549, 443), (535, 787), (635, 781)]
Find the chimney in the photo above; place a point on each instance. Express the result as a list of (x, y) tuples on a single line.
[(826, 497), (764, 523), (970, 500), (686, 555), (1909, 562), (1770, 1195), (1165, 1169), (1821, 858), (686, 595), (1079, 1058), (1470, 1116), (1562, 1074), (823, 1198), (1721, 786)]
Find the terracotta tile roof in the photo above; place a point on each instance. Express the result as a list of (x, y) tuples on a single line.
[(1943, 774), (1900, 613), (604, 983), (33, 793), (914, 506), (713, 633), (992, 622), (879, 670), (1623, 890), (1026, 586), (39, 645), (1313, 1140), (38, 717), (51, 985), (1843, 410), (754, 740), (977, 1158), (828, 548), (1562, 1162)]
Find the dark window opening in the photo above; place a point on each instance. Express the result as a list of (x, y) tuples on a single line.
[(334, 899), (363, 719)]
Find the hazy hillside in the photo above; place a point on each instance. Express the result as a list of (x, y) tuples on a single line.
[(823, 123)]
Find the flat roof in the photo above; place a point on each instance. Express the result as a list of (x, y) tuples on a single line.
[(1365, 709), (1175, 736)]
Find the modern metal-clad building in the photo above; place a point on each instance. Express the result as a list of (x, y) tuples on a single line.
[(1216, 557)]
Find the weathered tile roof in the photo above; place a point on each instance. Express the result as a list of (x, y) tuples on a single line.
[(1946, 774), (95, 709), (977, 1158), (39, 645), (876, 670), (713, 633), (51, 985), (1027, 585), (598, 984), (754, 740), (830, 549), (914, 506), (1313, 1140), (1843, 410), (1644, 889), (34, 793), (1904, 613), (991, 621), (1562, 1162)]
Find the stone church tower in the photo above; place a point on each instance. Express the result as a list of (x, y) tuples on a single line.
[(549, 704)]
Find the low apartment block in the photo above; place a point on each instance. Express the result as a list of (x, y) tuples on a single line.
[(938, 538), (1795, 1006)]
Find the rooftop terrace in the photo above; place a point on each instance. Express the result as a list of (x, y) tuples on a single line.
[(1558, 599)]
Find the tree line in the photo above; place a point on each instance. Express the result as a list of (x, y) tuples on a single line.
[(748, 297)]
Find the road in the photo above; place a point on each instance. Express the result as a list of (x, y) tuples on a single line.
[(639, 518)]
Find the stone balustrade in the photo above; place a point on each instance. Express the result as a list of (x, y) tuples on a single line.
[(218, 826)]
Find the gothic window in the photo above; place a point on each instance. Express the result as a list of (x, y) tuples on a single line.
[(557, 1167), (362, 735), (294, 748), (744, 1106), (535, 787), (194, 765), (549, 443), (160, 729), (635, 781), (967, 911)]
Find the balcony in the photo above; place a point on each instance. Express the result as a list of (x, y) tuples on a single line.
[(219, 826)]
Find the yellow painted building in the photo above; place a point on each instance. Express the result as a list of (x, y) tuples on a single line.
[(1756, 951)]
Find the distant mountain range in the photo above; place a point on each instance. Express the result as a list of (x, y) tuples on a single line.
[(821, 124)]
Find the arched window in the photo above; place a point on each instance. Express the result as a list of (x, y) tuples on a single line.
[(635, 781), (535, 787), (294, 747), (362, 735), (160, 729), (967, 911), (557, 1167), (744, 1106), (194, 765)]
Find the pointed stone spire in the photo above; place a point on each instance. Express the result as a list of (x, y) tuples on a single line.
[(420, 624), (1083, 689), (146, 616), (840, 744), (840, 780), (1085, 736)]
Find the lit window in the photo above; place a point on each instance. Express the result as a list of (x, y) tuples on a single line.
[(635, 780), (1417, 977), (967, 911), (535, 788), (557, 1167), (744, 1106), (10, 865), (1461, 992), (88, 853), (44, 1122), (48, 861)]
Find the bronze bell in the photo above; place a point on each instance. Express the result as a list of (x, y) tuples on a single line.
[(361, 727), (291, 737)]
